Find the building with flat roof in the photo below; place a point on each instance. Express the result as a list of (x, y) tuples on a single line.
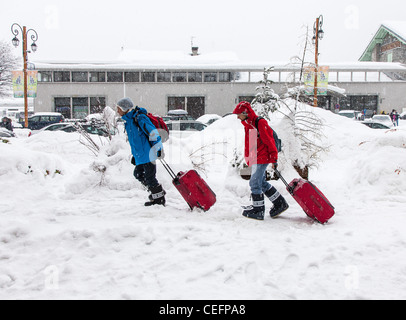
[(202, 84)]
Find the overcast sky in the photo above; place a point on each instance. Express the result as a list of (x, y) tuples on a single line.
[(256, 30)]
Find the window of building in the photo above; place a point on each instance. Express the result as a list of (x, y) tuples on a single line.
[(97, 77), (97, 104), (179, 77), (148, 76), (80, 76), (210, 77), (164, 77), (114, 77), (224, 77), (390, 57), (242, 77), (80, 107), (195, 106), (359, 103), (63, 105), (195, 77), (132, 77), (61, 76), (344, 76), (359, 76), (44, 76), (175, 103), (256, 76)]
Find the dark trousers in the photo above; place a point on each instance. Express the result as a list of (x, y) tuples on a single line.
[(146, 174)]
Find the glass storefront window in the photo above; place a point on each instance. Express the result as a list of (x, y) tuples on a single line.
[(97, 77), (80, 77), (164, 77), (132, 77), (61, 76), (114, 77), (148, 77), (195, 77), (80, 107), (210, 77), (44, 76), (179, 77)]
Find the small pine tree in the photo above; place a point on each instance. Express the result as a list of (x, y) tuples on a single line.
[(266, 100)]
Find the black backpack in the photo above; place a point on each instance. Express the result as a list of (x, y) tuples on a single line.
[(278, 142)]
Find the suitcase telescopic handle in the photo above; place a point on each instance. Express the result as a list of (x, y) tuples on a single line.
[(169, 169), (289, 188)]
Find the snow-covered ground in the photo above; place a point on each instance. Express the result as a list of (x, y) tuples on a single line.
[(70, 231)]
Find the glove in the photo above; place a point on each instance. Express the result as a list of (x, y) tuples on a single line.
[(161, 154), (133, 161), (275, 166)]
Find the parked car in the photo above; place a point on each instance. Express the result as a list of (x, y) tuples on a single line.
[(186, 125), (351, 114), (43, 119), (70, 127), (208, 119), (54, 127), (4, 133), (179, 114), (376, 125), (369, 114), (382, 118), (184, 128), (403, 116)]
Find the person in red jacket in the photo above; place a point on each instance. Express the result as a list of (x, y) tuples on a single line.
[(260, 152)]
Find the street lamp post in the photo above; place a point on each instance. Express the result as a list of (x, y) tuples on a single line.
[(15, 29), (318, 35)]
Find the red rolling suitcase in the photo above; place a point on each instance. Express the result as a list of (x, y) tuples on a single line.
[(193, 188), (311, 199)]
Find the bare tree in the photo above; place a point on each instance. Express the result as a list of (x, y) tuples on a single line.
[(7, 64)]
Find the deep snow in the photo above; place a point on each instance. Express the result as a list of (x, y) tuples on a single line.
[(68, 231)]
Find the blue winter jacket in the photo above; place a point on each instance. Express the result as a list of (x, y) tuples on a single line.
[(143, 136)]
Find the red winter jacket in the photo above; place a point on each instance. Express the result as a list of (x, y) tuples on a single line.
[(259, 149)]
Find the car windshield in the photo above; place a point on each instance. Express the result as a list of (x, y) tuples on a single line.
[(348, 114), (381, 118), (55, 127), (186, 126), (379, 126)]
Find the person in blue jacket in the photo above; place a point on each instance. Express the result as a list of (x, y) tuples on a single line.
[(146, 148)]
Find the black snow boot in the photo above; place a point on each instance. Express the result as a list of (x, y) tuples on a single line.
[(157, 197), (279, 203), (257, 210)]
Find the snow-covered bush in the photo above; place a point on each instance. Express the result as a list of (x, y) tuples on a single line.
[(300, 128)]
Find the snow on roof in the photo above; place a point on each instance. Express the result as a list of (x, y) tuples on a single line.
[(177, 60), (175, 57), (397, 27)]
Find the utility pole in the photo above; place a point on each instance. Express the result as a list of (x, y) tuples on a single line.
[(318, 35)]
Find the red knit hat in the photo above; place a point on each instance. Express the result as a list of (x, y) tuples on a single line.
[(242, 107)]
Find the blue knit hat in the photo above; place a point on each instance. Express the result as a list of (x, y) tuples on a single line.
[(126, 104)]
